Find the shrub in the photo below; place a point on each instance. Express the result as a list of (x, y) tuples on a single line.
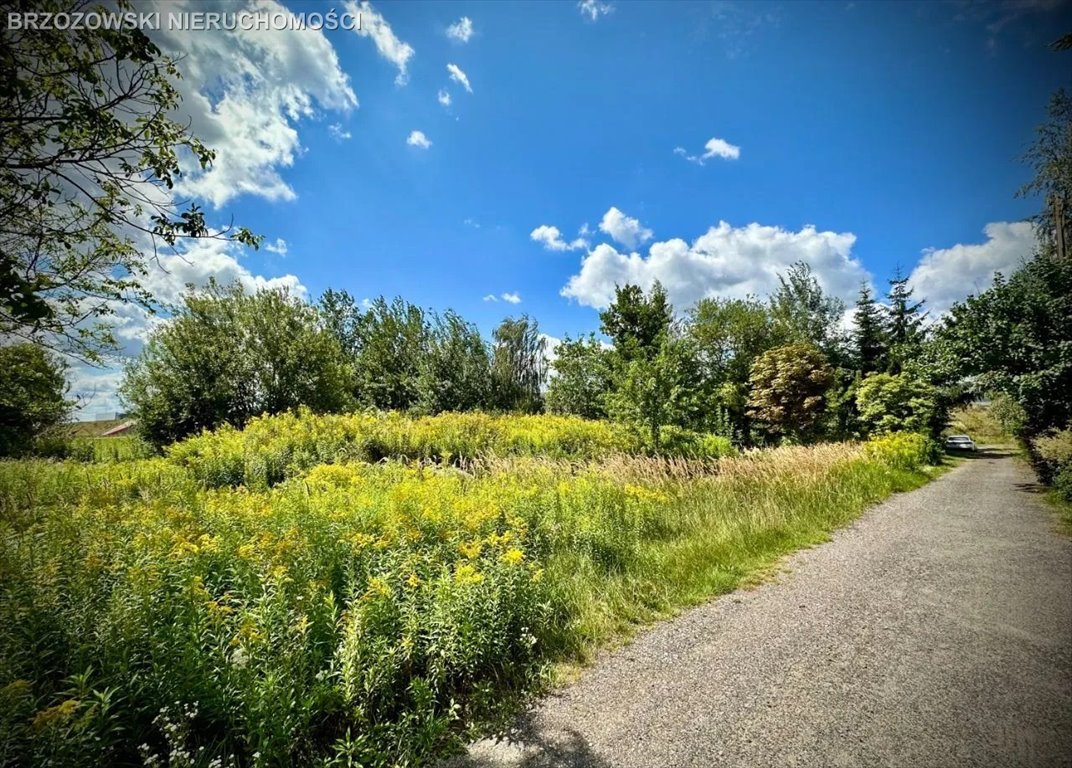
[(896, 403), (1053, 454), (904, 450), (227, 356), (33, 389)]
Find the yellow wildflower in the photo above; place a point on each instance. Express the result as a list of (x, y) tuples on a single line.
[(467, 574), (58, 713), (513, 556), (471, 549)]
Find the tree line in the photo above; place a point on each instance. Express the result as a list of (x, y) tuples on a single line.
[(755, 371)]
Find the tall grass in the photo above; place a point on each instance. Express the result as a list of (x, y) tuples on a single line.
[(363, 613), (93, 449)]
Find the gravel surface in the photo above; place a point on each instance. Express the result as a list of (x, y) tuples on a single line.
[(935, 631)]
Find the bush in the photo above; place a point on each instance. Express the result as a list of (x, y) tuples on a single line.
[(904, 450), (896, 403), (1053, 460), (226, 357), (33, 388)]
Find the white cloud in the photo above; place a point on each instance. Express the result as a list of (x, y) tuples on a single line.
[(418, 139), (459, 77), (510, 297), (461, 30), (624, 229), (947, 275), (713, 148), (244, 92), (338, 133), (725, 261), (387, 43), (593, 9), (550, 350), (443, 97), (551, 239), (279, 247)]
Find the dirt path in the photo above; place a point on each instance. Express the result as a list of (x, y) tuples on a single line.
[(935, 631)]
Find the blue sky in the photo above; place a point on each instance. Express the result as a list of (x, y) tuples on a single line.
[(857, 136)]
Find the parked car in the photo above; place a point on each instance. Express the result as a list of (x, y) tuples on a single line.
[(959, 443)]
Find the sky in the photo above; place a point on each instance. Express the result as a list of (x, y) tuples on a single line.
[(506, 158)]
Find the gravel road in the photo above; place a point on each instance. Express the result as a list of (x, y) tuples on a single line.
[(935, 631)]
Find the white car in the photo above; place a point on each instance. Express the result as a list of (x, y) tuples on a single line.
[(959, 443)]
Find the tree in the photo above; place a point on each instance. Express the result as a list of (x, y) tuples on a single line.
[(727, 336), (906, 317), (635, 322), (455, 371), (897, 403), (227, 356), (803, 314), (1016, 338), (341, 316), (654, 391), (581, 379), (89, 154), (518, 365), (1051, 158), (788, 390), (392, 343), (869, 333), (33, 389)]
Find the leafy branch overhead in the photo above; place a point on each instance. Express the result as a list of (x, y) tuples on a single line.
[(91, 149)]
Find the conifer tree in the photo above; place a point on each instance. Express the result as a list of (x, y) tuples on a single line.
[(906, 317), (869, 333)]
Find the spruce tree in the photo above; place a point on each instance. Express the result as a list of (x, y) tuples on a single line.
[(869, 333), (906, 332)]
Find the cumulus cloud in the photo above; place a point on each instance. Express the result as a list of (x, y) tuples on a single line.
[(443, 97), (418, 139), (461, 30), (459, 77), (339, 133), (624, 229), (279, 247), (713, 148), (244, 93), (945, 276), (593, 9), (725, 261), (491, 297), (551, 239), (387, 43)]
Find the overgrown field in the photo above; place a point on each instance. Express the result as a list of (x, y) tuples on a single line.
[(338, 611)]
